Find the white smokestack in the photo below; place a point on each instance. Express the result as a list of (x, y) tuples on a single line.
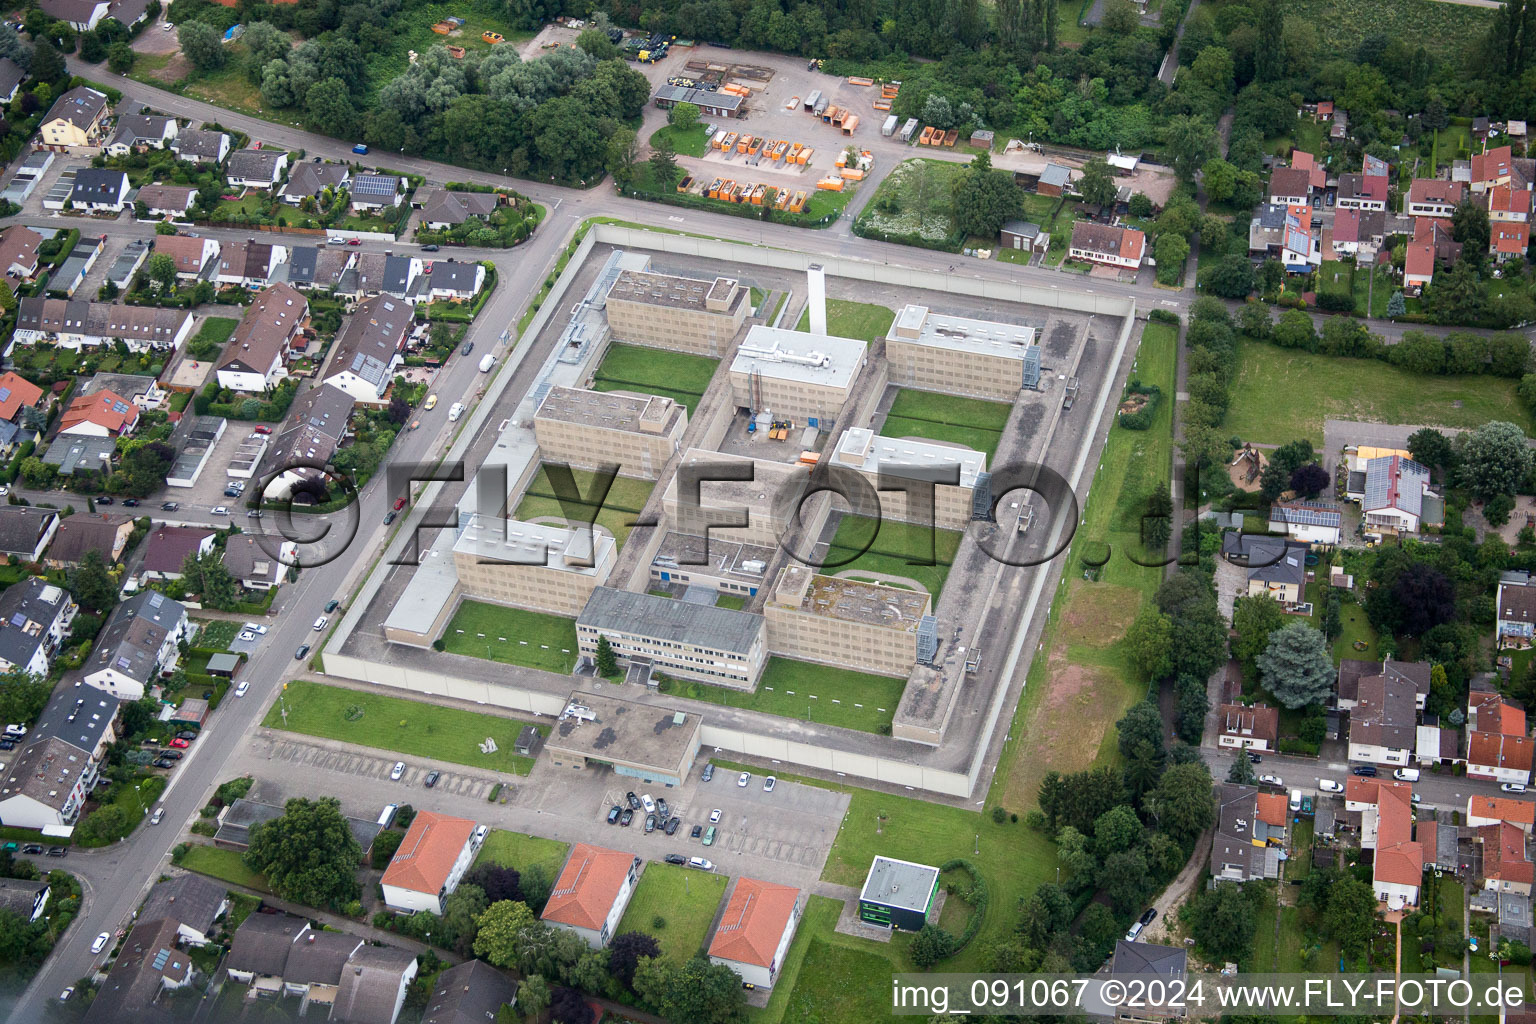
[(817, 299)]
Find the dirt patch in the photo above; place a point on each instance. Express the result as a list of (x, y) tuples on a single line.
[(1097, 615), (1246, 468), (1133, 405), (175, 70), (1063, 732)]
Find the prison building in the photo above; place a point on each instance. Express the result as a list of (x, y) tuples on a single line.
[(680, 313), (898, 893), (687, 641), (722, 566), (897, 460), (957, 355), (867, 627), (530, 565), (637, 433), (652, 743), (803, 378), (767, 501)]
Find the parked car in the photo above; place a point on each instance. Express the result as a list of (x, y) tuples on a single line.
[(245, 684), (130, 502), (466, 348), (7, 744), (769, 783), (709, 771), (301, 653), (169, 506), (164, 763), (1330, 786), (320, 623), (675, 858), (632, 800), (1367, 771), (389, 517), (672, 826), (254, 627), (627, 817), (354, 241), (154, 819), (332, 605), (397, 771), (1513, 787), (1271, 780), (701, 863), (1254, 758), (1136, 928), (614, 813), (180, 744), (58, 851), (221, 510), (399, 504), (662, 810), (696, 831), (1149, 916), (714, 816), (709, 836), (429, 248), (743, 779), (172, 755), (262, 430), (647, 803), (186, 734), (32, 848), (431, 779), (64, 996), (101, 942), (255, 513), (105, 499), (650, 823)]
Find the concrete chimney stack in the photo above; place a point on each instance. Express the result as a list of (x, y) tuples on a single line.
[(816, 299)]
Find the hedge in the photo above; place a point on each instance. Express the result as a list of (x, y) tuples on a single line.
[(979, 897), (1142, 418)]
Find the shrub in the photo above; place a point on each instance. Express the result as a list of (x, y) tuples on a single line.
[(999, 815)]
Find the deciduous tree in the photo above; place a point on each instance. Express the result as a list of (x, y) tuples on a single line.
[(1183, 802), (1495, 459), (202, 44), (308, 855)]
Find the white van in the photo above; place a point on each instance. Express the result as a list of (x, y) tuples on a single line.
[(1406, 775), (455, 411), (486, 362), (1295, 800), (1136, 928)]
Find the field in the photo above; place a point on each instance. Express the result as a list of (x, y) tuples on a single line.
[(862, 320), (515, 850), (684, 143), (665, 891), (652, 371), (813, 693), (619, 509), (913, 202), (513, 636), (971, 422), (225, 865), (402, 726), (1447, 30), (900, 549), (1282, 394), (227, 87)]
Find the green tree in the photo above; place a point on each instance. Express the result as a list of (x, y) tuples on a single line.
[(931, 945), (1219, 178), (1171, 252), (202, 44), (683, 117), (664, 169), (1142, 722), (1097, 185), (1254, 618), (1231, 278), (607, 664), (1431, 448), (1469, 226), (1397, 305), (497, 930), (533, 996), (1149, 641), (1241, 771), (1223, 919), (206, 576), (982, 199), (23, 696), (1214, 69), (1120, 17), (1183, 802), (328, 107), (1495, 459), (1192, 706), (161, 269), (1116, 829), (696, 991), (121, 58), (1296, 666), (623, 152), (1350, 916), (1295, 330), (90, 584), (1190, 142), (308, 855)]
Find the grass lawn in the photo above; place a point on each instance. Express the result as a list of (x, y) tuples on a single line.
[(862, 320), (1378, 295), (515, 850), (972, 422), (851, 982), (215, 633), (619, 508), (913, 201), (684, 143), (1356, 627), (225, 865), (1334, 277), (399, 725), (513, 636), (735, 602), (818, 919), (679, 376), (1281, 395), (902, 549), (814, 693), (252, 204), (665, 892), (227, 87)]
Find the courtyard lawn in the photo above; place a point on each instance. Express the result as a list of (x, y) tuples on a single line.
[(652, 371), (619, 509), (683, 899), (901, 549), (813, 693), (513, 636), (684, 143), (403, 726), (515, 850), (1281, 395), (735, 602), (864, 321), (225, 865), (972, 422), (1357, 627)]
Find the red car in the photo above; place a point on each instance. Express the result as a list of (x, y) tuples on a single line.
[(399, 504), (354, 241), (262, 430), (179, 744)]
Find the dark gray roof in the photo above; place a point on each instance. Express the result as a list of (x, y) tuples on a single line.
[(199, 144), (380, 272), (459, 277), (255, 164), (310, 179), (262, 943), (148, 957), (19, 896), (1023, 228), (80, 533), (130, 641), (698, 97), (470, 993), (79, 715), (76, 451), (21, 527), (301, 265), (318, 957), (1351, 671), (187, 899), (98, 185), (1274, 560), (1055, 174), (241, 816), (141, 129), (439, 206), (662, 618), (1149, 958), (27, 609), (370, 341), (79, 106), (1306, 513), (11, 75), (370, 984), (1271, 216)]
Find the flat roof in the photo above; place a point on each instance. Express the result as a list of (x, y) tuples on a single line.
[(432, 586), (511, 542), (662, 618), (612, 729), (900, 884), (793, 355), (919, 325), (613, 410), (670, 290), (863, 449), (771, 483), (682, 552), (851, 600)]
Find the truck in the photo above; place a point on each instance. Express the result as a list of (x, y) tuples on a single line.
[(486, 362), (360, 149)]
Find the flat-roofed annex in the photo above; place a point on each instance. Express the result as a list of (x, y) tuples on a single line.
[(851, 600), (512, 542), (862, 449), (615, 410), (677, 292), (921, 325), (793, 355)]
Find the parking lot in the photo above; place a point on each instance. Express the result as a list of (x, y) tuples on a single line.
[(376, 768)]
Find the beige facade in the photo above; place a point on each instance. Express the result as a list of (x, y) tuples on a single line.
[(680, 313), (867, 627), (530, 565), (687, 641), (767, 499), (896, 460), (638, 433), (795, 376), (957, 355)]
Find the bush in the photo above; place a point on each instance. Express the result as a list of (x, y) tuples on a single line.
[(1141, 419), (999, 815)]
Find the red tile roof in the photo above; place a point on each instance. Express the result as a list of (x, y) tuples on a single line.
[(1492, 165), (588, 886), (1508, 199), (1260, 721), (1497, 716), (1271, 809), (105, 409), (169, 546), (1510, 239), (1492, 750), (1504, 854), (1346, 226), (1324, 108), (428, 852), (1498, 808), (1419, 260), (753, 922), (1304, 161), (15, 393), (1399, 860), (1432, 190)]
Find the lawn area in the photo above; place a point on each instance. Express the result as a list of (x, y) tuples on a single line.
[(1378, 295), (618, 510), (735, 602), (818, 920), (1283, 394), (902, 549), (851, 982), (913, 202), (515, 850), (665, 892), (215, 633), (652, 371), (1334, 277), (513, 636), (972, 422), (225, 865), (227, 87), (684, 143), (252, 204), (1447, 31), (862, 320), (813, 693), (402, 726), (1356, 627), (211, 337)]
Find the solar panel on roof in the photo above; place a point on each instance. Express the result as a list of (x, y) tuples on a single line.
[(122, 663), (18, 619), (156, 600)]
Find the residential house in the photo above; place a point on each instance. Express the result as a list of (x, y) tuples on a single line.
[(1301, 248), (236, 821), (309, 266), (753, 933), (249, 264), (26, 899), (104, 533), (21, 411), (74, 121), (374, 986), (58, 764), (376, 191), (1107, 244), (1398, 497), (141, 389), (18, 253), (1493, 167), (192, 901), (169, 201), (1383, 723), (256, 357), (198, 146), (99, 190), (1435, 744), (1418, 267), (593, 889), (11, 77), (1437, 233), (141, 132), (450, 281), (1358, 233), (148, 966), (1150, 962), (258, 955), (1278, 570), (103, 414), (309, 180), (137, 644), (192, 255), (1431, 197), (35, 618), (1026, 235), (369, 348), (315, 965), (1266, 231), (1508, 240), (433, 856), (248, 560), (1313, 522), (441, 209), (1516, 611), (1245, 727), (26, 532), (1054, 180), (313, 432), (1250, 833), (80, 15), (1385, 808), (1291, 186), (256, 168), (1414, 675), (1362, 192), (74, 325), (1506, 866), (1490, 810), (167, 548), (70, 454), (1499, 746), (472, 992), (382, 273), (1317, 175)]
